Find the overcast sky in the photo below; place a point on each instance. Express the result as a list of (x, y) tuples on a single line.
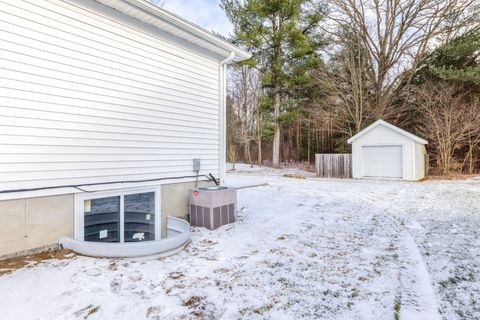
[(205, 13)]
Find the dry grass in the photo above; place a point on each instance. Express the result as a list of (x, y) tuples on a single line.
[(198, 306), (86, 312), (302, 166), (294, 175), (12, 264), (452, 176)]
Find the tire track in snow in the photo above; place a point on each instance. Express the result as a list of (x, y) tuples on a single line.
[(418, 299), (416, 293)]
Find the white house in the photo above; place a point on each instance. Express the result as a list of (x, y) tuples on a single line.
[(385, 151), (103, 106)]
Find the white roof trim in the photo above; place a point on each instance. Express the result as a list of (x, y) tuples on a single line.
[(390, 126), (164, 20)]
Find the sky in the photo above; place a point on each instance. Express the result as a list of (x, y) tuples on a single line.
[(205, 13)]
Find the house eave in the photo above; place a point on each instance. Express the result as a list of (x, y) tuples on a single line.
[(166, 21)]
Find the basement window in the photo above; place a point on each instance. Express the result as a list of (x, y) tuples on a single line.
[(118, 217)]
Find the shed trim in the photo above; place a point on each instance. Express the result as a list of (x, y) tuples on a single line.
[(390, 126)]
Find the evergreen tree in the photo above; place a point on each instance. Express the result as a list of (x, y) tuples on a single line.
[(284, 37), (456, 61)]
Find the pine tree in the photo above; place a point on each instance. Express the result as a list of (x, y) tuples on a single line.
[(284, 37), (456, 61)]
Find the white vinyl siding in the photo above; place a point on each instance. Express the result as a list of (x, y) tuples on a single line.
[(85, 98)]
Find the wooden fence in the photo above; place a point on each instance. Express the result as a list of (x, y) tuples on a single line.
[(333, 165)]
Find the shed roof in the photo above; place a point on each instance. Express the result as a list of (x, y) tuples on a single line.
[(380, 122), (164, 20)]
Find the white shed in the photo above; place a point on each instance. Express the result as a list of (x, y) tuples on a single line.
[(385, 151)]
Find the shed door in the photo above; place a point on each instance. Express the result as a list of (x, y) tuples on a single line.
[(382, 161)]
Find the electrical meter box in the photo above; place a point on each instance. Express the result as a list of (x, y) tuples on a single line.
[(196, 165)]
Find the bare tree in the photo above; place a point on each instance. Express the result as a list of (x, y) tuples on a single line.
[(260, 120), (245, 90), (346, 79), (232, 136), (471, 157), (451, 121), (396, 35)]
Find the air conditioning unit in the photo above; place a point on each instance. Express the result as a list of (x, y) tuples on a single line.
[(212, 207)]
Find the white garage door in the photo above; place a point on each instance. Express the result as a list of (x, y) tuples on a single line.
[(382, 161)]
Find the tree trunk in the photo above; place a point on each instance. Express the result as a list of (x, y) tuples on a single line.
[(259, 157), (277, 101), (276, 138), (308, 143), (249, 155), (299, 136)]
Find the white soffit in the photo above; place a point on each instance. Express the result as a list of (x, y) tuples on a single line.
[(173, 24)]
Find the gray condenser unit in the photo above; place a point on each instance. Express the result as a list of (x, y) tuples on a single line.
[(212, 207)]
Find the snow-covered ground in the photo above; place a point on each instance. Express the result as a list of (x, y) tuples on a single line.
[(264, 170), (301, 249)]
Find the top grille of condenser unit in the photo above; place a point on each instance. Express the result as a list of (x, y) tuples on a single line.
[(212, 209)]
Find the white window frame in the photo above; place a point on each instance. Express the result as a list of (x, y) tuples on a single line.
[(79, 221)]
